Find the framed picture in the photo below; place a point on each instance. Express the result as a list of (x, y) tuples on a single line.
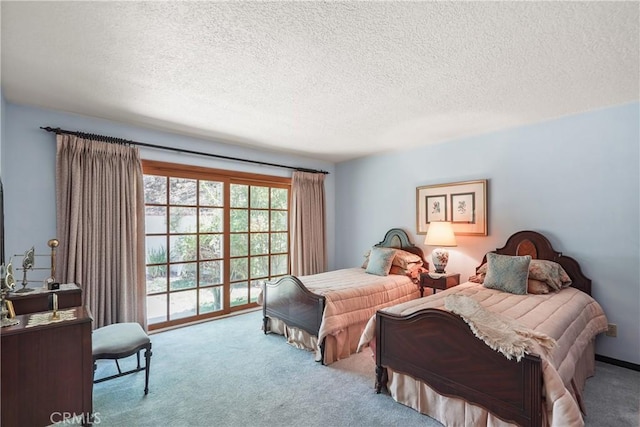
[(436, 208), (462, 203), (463, 207)]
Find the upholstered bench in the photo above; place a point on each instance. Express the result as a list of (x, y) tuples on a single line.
[(118, 341)]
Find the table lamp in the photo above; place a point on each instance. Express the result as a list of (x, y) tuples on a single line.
[(440, 234)]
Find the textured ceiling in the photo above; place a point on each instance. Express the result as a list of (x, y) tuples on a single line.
[(329, 80)]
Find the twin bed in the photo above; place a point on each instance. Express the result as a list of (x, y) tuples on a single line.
[(327, 312), (432, 360)]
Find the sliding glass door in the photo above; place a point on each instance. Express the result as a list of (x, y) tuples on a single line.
[(212, 237)]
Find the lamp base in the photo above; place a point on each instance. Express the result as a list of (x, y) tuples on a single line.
[(440, 257)]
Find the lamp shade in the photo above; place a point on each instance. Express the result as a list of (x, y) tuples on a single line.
[(440, 233)]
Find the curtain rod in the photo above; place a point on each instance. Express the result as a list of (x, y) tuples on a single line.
[(114, 140)]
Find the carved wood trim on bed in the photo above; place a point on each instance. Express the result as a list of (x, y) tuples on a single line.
[(289, 300), (440, 349), (398, 238), (456, 363), (538, 246)]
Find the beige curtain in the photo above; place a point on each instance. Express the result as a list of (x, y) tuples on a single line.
[(308, 245), (100, 225)]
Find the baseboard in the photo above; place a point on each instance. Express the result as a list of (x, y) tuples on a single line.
[(622, 363), (209, 319)]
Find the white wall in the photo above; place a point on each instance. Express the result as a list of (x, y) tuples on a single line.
[(575, 180), (29, 169), (2, 139), (2, 127)]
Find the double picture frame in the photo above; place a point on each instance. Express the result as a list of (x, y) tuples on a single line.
[(464, 204)]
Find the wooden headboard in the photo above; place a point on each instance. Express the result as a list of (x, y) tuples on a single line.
[(536, 245), (398, 238)]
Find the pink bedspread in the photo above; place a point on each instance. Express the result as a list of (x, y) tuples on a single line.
[(569, 316), (353, 296)]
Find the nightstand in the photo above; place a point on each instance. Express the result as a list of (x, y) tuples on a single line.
[(438, 281)]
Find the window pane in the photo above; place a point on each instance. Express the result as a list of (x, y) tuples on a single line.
[(156, 247), (239, 246), (239, 267), (279, 198), (156, 279), (259, 220), (182, 191), (211, 193), (157, 308), (259, 267), (155, 219), (182, 220), (182, 248), (211, 220), (259, 243), (254, 289), (239, 220), (155, 189), (279, 264), (210, 273), (239, 195), (210, 246), (279, 221), (259, 197), (239, 293), (279, 242), (183, 276), (210, 299), (182, 304)]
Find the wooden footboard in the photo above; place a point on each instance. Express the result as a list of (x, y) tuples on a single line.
[(440, 349), (290, 301)]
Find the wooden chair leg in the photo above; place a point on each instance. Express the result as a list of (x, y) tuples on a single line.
[(147, 356)]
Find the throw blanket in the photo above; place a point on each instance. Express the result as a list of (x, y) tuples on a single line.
[(501, 334)]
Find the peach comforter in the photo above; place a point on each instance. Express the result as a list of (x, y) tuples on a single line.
[(569, 316), (351, 298)]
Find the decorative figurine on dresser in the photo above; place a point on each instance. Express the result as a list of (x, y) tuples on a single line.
[(28, 300), (7, 283), (28, 263)]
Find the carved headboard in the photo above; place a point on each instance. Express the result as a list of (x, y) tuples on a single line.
[(536, 245), (398, 238)]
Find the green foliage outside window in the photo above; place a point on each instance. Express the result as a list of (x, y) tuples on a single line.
[(192, 212)]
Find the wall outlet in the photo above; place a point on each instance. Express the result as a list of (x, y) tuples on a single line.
[(612, 331)]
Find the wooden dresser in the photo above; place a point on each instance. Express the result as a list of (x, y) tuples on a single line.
[(47, 371), (41, 299)]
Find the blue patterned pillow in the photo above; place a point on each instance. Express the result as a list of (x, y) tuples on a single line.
[(380, 260), (507, 273)]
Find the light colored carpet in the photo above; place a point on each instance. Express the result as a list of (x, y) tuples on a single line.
[(228, 373)]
